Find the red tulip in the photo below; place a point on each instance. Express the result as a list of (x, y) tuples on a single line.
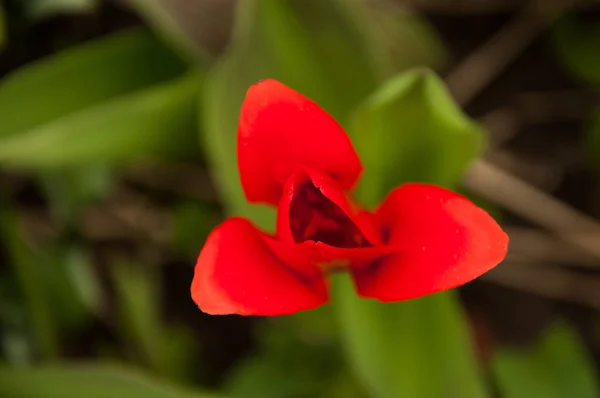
[(422, 239)]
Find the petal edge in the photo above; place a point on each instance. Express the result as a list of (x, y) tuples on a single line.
[(236, 273), (281, 131), (444, 241)]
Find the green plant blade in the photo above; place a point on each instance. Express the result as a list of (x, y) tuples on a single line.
[(312, 369), (410, 130), (558, 366), (417, 348), (159, 345), (78, 78), (25, 269), (90, 381), (158, 120)]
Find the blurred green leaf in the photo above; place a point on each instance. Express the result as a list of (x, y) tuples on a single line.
[(178, 22), (577, 44), (318, 325), (158, 120), (284, 367), (83, 279), (77, 78), (69, 191), (192, 222), (164, 349), (90, 381), (411, 130), (16, 345), (38, 9), (25, 268), (418, 348), (558, 366), (68, 307)]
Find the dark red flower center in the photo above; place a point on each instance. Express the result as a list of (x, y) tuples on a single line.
[(314, 217)]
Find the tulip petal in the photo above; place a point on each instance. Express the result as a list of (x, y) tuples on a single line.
[(280, 132), (237, 273), (443, 241)]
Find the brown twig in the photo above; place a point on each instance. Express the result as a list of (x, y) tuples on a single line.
[(483, 65), (551, 282), (539, 247), (537, 107), (521, 198)]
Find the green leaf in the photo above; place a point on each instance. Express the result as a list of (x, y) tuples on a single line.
[(558, 366), (90, 381), (60, 273), (418, 348), (577, 43), (158, 120), (163, 348), (25, 268), (77, 78), (272, 374), (411, 130)]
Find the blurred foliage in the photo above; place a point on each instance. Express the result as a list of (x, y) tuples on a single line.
[(25, 268), (155, 121), (93, 381), (79, 78), (39, 9), (94, 88), (313, 372), (577, 44), (72, 124), (558, 366), (164, 349)]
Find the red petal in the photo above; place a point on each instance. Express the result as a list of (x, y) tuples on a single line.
[(236, 273), (443, 241), (280, 131)]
